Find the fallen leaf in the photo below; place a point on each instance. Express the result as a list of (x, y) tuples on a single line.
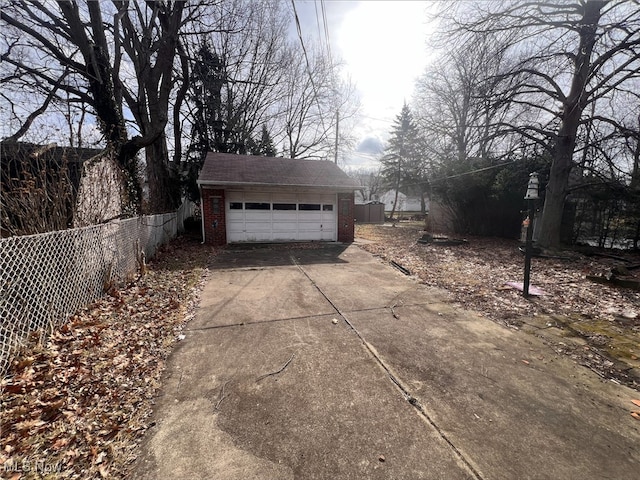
[(60, 443), (100, 457)]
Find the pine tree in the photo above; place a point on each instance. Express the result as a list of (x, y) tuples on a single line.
[(208, 79), (266, 146), (403, 165)]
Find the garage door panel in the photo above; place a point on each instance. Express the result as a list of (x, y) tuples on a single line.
[(310, 222), (258, 237), (237, 224), (308, 235), (285, 234), (288, 226), (285, 216), (310, 216), (236, 236), (257, 215), (235, 216), (310, 229), (259, 226)]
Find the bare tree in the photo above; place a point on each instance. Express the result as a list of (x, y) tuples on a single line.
[(370, 182), (307, 118), (236, 76), (457, 102), (572, 55), (248, 75), (111, 54)]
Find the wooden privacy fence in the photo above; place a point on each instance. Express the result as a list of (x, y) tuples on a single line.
[(369, 213)]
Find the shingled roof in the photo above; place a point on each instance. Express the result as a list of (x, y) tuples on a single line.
[(224, 169)]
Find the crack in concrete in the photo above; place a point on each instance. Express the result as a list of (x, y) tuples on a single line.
[(303, 317), (403, 389), (258, 322)]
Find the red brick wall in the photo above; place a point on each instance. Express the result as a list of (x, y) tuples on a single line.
[(215, 226), (346, 225)]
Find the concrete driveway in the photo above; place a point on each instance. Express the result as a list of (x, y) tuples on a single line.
[(322, 362)]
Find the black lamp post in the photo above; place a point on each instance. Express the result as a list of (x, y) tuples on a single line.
[(530, 197)]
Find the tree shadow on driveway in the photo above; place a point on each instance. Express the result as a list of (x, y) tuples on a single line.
[(257, 255)]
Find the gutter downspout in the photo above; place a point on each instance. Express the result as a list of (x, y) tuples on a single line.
[(202, 214)]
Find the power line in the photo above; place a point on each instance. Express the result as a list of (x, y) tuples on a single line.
[(484, 169), (377, 119), (306, 57), (326, 33), (457, 175), (331, 66), (318, 21), (448, 177)]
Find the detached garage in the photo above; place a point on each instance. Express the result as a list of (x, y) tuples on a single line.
[(265, 199)]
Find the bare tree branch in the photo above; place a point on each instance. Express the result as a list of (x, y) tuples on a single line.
[(36, 113)]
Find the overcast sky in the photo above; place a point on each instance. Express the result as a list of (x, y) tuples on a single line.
[(383, 45)]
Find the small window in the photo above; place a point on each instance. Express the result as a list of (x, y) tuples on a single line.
[(257, 206), (215, 205), (327, 208), (345, 207), (284, 206), (309, 206), (235, 206)]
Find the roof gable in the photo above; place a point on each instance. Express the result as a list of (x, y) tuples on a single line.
[(222, 169)]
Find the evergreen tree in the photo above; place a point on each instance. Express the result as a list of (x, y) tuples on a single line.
[(403, 166), (266, 146), (208, 79)]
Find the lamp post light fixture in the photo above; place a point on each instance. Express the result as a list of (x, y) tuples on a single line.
[(531, 196)]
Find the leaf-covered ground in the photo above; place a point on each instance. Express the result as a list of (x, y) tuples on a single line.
[(78, 405), (476, 273)]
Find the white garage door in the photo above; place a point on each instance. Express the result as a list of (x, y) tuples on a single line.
[(264, 217)]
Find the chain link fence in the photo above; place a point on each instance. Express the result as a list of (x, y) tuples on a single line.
[(45, 278)]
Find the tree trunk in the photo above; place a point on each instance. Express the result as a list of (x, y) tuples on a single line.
[(395, 199), (395, 202), (163, 195), (574, 105), (423, 203), (551, 220)]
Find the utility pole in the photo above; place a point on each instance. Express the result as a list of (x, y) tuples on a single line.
[(337, 127)]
